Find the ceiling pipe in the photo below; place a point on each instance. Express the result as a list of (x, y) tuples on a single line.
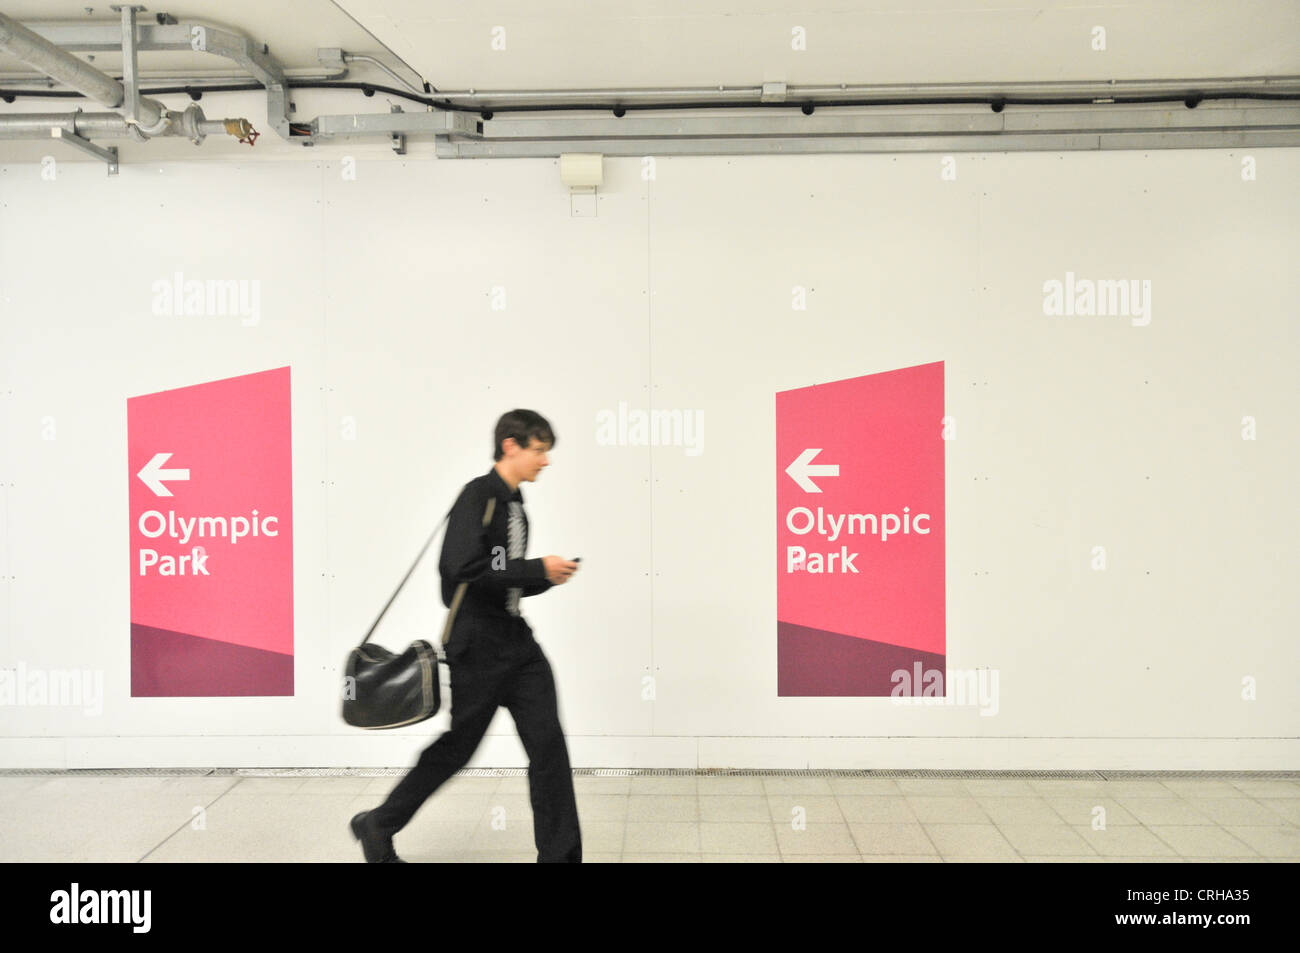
[(137, 116), (922, 93), (364, 58), (39, 53), (192, 124), (186, 78)]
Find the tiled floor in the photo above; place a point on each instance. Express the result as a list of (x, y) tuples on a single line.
[(791, 818)]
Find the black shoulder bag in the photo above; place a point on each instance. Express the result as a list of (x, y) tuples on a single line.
[(384, 690)]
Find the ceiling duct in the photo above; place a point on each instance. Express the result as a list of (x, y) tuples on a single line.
[(136, 116)]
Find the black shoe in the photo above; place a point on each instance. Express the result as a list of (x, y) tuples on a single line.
[(377, 848)]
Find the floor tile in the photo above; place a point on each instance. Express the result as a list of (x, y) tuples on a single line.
[(1163, 810), (743, 838), (953, 810), (1134, 788), (742, 858), (985, 859), (818, 859), (1202, 841), (1044, 839), (991, 787), (897, 838), (723, 786), (796, 785), (1083, 810), (901, 859), (1246, 812), (815, 839), (969, 840), (664, 858), (645, 837), (664, 785), (1124, 840), (770, 818), (1267, 788), (934, 787), (663, 807), (603, 807), (811, 808), (878, 809), (857, 787), (721, 808), (1019, 810), (1269, 841)]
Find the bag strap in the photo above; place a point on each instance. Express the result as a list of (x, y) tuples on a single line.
[(486, 519), (460, 590)]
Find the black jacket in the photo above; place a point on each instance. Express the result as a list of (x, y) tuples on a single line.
[(468, 554)]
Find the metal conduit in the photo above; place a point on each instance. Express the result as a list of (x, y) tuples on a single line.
[(39, 53), (457, 133), (94, 126), (177, 77), (1098, 89)]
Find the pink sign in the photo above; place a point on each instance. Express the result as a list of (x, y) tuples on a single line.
[(210, 478), (860, 533)]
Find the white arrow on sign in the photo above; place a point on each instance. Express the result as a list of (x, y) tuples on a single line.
[(802, 468), (152, 474)]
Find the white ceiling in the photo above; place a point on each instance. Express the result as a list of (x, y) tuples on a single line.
[(293, 30), (572, 44), (664, 43), (575, 44)]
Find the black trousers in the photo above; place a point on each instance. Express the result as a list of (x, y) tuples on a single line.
[(494, 665)]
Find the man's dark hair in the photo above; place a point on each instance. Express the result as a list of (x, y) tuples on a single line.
[(523, 425)]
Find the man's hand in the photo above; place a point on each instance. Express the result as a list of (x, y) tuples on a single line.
[(559, 569)]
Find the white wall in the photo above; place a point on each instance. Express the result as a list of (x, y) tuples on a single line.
[(1072, 433)]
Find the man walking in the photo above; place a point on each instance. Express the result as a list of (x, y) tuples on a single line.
[(493, 656)]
